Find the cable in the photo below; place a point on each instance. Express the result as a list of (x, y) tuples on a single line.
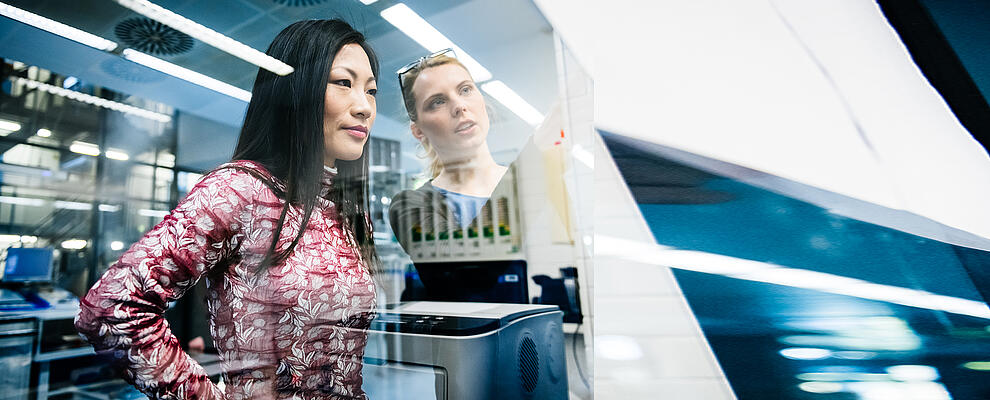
[(576, 362)]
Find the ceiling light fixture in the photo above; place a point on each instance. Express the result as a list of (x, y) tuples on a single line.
[(414, 26), (90, 99), (73, 205), (186, 74), (57, 28), (583, 155), (805, 353), (44, 132), (88, 149), (10, 126), (74, 244), (22, 201), (820, 387), (913, 373), (977, 365), (513, 102), (152, 213), (699, 261), (130, 54), (117, 154), (207, 35)]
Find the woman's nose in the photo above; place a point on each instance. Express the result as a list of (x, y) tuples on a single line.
[(362, 107), (459, 107)]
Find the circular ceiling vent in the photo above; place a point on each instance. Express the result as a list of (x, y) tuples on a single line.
[(300, 3), (153, 37)]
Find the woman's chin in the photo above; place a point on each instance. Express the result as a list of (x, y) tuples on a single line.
[(347, 156)]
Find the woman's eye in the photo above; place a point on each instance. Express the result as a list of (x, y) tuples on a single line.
[(466, 90), (373, 92), (436, 102), (342, 82)]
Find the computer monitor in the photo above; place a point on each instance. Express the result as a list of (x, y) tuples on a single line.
[(28, 265), (469, 281)]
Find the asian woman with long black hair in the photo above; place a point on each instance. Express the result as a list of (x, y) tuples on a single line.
[(281, 234)]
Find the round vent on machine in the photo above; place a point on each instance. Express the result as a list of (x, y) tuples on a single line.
[(300, 3), (529, 364), (153, 37)]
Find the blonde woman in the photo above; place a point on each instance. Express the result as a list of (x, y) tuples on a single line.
[(449, 117)]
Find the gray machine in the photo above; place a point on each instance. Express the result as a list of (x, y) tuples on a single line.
[(466, 351)]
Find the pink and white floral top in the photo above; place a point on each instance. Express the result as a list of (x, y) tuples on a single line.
[(295, 331)]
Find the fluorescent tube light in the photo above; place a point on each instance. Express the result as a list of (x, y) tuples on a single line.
[(152, 213), (10, 238), (88, 149), (583, 155), (73, 205), (977, 365), (166, 160), (820, 387), (805, 353), (74, 244), (478, 72), (653, 254), (89, 99), (44, 132), (414, 26), (186, 74), (207, 35), (367, 2), (116, 245), (29, 239), (108, 208), (240, 50), (912, 373), (513, 101), (57, 28), (117, 154), (9, 125), (854, 355), (22, 201)]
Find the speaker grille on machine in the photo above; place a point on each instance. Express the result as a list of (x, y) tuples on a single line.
[(529, 364)]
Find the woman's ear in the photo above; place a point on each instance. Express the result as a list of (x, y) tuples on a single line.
[(416, 132)]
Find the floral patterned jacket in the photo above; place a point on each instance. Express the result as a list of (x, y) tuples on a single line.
[(297, 330)]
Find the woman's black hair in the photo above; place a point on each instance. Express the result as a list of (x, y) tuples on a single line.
[(283, 131)]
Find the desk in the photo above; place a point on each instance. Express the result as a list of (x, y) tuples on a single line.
[(54, 345)]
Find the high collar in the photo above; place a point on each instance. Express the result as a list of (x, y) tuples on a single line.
[(328, 174)]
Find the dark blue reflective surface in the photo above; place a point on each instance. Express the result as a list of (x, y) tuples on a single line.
[(847, 347)]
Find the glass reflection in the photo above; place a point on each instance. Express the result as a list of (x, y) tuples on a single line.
[(99, 180), (798, 301), (450, 120)]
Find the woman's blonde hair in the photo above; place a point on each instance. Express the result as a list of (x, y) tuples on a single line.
[(434, 166)]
